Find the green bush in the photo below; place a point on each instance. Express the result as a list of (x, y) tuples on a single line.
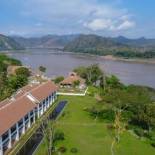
[(59, 135), (153, 143), (62, 149), (74, 150), (139, 132), (23, 71), (58, 79)]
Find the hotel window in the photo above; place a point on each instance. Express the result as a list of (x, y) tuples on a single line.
[(26, 117), (31, 113), (20, 123), (13, 128), (4, 136)]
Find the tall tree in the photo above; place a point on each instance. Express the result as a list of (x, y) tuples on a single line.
[(23, 71), (42, 69)]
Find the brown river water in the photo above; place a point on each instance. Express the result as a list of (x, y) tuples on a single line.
[(59, 63)]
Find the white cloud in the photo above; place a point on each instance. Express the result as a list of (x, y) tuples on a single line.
[(78, 16), (98, 24), (109, 24), (126, 25)]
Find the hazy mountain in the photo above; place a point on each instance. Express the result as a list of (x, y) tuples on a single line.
[(139, 42), (120, 46), (7, 43), (48, 41), (94, 44)]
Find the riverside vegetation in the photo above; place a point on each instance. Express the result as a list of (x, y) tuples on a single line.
[(10, 83), (111, 119)]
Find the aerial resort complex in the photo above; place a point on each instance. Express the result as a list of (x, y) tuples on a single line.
[(20, 111)]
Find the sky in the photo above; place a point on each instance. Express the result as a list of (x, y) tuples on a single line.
[(130, 18)]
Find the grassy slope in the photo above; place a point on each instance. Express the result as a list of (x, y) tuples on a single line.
[(90, 137)]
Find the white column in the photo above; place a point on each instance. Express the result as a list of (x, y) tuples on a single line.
[(52, 97), (38, 112), (29, 120), (34, 116), (23, 131), (49, 101), (10, 139), (17, 129), (55, 95), (42, 110), (1, 146), (45, 108)]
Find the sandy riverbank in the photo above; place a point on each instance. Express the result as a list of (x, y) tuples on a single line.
[(110, 57)]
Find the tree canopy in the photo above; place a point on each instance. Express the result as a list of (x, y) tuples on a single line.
[(42, 69)]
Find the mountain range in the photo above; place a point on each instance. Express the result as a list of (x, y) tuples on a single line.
[(48, 41), (79, 43), (8, 43)]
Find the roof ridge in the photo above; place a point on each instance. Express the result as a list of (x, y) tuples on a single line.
[(25, 94), (36, 100), (39, 86), (10, 102)]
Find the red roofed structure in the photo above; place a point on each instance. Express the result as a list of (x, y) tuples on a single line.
[(18, 113)]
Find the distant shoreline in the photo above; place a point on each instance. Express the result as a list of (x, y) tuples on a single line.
[(111, 57), (107, 57)]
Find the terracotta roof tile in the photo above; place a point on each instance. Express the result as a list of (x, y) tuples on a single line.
[(13, 112), (41, 92), (71, 79)]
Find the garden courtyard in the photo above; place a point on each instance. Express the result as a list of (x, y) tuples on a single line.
[(84, 135)]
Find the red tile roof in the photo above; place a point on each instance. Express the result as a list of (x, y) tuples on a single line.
[(71, 79), (11, 111), (41, 92)]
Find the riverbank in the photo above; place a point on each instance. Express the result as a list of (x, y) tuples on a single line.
[(61, 63), (60, 51), (135, 60)]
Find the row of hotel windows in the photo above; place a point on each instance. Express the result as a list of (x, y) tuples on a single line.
[(21, 126)]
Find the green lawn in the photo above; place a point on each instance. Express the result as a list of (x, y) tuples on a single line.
[(91, 137)]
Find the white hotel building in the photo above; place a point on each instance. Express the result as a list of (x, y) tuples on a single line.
[(18, 113)]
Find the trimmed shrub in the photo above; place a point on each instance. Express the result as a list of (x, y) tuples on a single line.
[(153, 143), (139, 132), (74, 150), (62, 149), (59, 135)]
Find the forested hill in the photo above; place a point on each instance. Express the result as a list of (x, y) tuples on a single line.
[(47, 41), (140, 42), (94, 44), (120, 46), (7, 43)]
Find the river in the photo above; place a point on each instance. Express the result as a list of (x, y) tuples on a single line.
[(59, 63)]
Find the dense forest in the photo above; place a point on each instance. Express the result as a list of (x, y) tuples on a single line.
[(10, 83)]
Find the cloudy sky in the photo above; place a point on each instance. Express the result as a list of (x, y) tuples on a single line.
[(131, 18)]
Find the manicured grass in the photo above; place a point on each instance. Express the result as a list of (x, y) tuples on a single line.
[(92, 137)]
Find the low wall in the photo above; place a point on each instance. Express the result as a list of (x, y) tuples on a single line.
[(73, 94)]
